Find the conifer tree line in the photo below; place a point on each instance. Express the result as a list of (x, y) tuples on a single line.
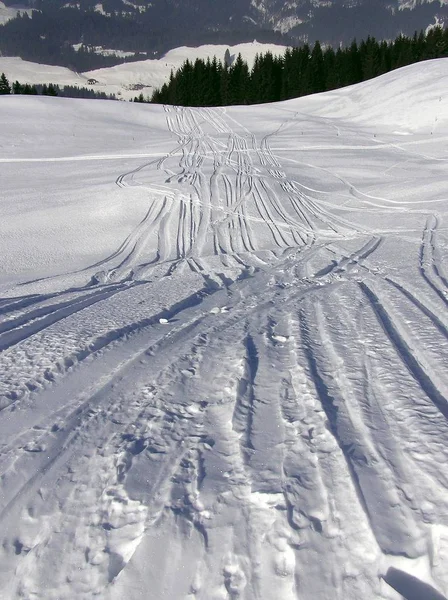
[(67, 91), (299, 72)]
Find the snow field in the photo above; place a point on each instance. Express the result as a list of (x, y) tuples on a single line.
[(223, 342)]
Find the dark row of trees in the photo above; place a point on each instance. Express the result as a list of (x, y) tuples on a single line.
[(67, 91), (299, 72)]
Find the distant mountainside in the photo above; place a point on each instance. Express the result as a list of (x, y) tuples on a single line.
[(126, 81), (57, 28)]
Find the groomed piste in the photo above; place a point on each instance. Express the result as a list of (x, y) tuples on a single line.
[(224, 346)]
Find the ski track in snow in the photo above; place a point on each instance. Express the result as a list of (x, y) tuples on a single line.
[(246, 400)]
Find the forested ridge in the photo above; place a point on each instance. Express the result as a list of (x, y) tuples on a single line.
[(299, 72)]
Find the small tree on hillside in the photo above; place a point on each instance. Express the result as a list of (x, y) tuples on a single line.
[(17, 87), (5, 88), (52, 90)]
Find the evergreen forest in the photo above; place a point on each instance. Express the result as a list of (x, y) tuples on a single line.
[(299, 72)]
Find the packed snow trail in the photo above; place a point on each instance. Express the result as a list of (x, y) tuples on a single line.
[(244, 394)]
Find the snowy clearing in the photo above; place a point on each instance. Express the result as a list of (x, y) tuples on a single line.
[(223, 346)]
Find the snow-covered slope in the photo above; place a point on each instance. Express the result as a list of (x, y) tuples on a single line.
[(10, 12), (28, 72), (223, 346), (129, 79), (406, 98)]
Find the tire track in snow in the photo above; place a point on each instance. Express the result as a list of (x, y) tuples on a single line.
[(375, 494), (353, 260), (320, 503), (306, 438), (16, 330), (431, 267), (412, 356), (438, 319), (103, 341)]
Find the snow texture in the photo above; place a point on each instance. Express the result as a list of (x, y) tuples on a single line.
[(223, 347)]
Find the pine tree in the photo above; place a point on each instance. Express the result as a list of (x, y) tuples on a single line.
[(53, 90), (198, 93), (184, 85), (332, 81), (5, 88), (238, 82), (370, 58), (224, 85), (317, 69), (402, 52), (354, 64), (270, 79), (17, 88), (436, 43), (384, 58), (418, 46), (212, 90)]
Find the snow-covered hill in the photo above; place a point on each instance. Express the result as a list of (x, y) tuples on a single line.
[(9, 12), (223, 346), (129, 79), (25, 71)]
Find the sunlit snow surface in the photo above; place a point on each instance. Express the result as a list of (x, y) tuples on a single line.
[(224, 346)]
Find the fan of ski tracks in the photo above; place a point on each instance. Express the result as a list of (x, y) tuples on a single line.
[(126, 267), (19, 328), (216, 207), (188, 131)]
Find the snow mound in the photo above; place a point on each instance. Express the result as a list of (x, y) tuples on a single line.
[(411, 98)]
